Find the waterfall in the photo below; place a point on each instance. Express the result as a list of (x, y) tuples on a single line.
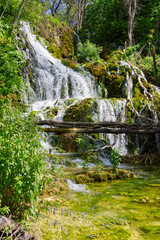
[(53, 80), (111, 111), (53, 85)]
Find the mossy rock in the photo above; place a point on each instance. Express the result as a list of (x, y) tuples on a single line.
[(68, 142), (139, 103), (122, 70), (61, 40), (65, 141), (128, 69), (51, 113), (103, 176), (96, 69), (68, 41), (33, 114), (70, 64), (112, 67), (54, 50), (81, 111), (137, 91), (70, 163), (145, 83), (114, 84)]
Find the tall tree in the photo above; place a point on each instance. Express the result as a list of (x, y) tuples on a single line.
[(54, 6), (19, 12), (82, 5), (131, 8)]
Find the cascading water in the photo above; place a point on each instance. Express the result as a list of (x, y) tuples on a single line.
[(111, 111), (55, 85), (53, 79)]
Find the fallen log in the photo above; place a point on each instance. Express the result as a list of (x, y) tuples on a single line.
[(103, 130), (68, 124)]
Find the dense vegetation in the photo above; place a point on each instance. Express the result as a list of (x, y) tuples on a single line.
[(103, 26)]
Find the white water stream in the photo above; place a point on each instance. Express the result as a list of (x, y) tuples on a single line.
[(55, 85)]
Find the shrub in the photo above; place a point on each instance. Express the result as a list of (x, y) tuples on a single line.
[(115, 158), (22, 163), (88, 52)]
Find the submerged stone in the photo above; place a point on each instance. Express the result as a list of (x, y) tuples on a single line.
[(103, 176)]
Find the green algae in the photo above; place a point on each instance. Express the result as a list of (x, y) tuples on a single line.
[(121, 204), (109, 210)]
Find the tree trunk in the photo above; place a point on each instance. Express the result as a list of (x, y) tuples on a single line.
[(132, 6), (100, 127), (157, 30), (154, 61), (103, 130), (82, 4), (19, 12), (4, 9)]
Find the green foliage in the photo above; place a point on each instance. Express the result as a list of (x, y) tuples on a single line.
[(146, 64), (83, 144), (115, 158), (88, 52), (106, 21), (4, 210), (22, 163), (11, 63), (85, 164)]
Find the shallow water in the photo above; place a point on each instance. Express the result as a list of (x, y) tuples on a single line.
[(117, 209)]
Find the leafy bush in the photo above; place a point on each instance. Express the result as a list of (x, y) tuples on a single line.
[(88, 52), (146, 64), (115, 158), (22, 163), (11, 63)]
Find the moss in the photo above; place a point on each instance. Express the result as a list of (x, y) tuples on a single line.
[(114, 85), (51, 113), (68, 41), (81, 111), (122, 70), (96, 69), (139, 103), (129, 117), (54, 50), (112, 67), (70, 63), (128, 69), (62, 40), (70, 164), (96, 136), (33, 114), (145, 83), (103, 176), (93, 214), (151, 230), (137, 92)]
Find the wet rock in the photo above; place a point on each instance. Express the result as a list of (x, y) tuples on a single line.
[(4, 222), (103, 176)]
